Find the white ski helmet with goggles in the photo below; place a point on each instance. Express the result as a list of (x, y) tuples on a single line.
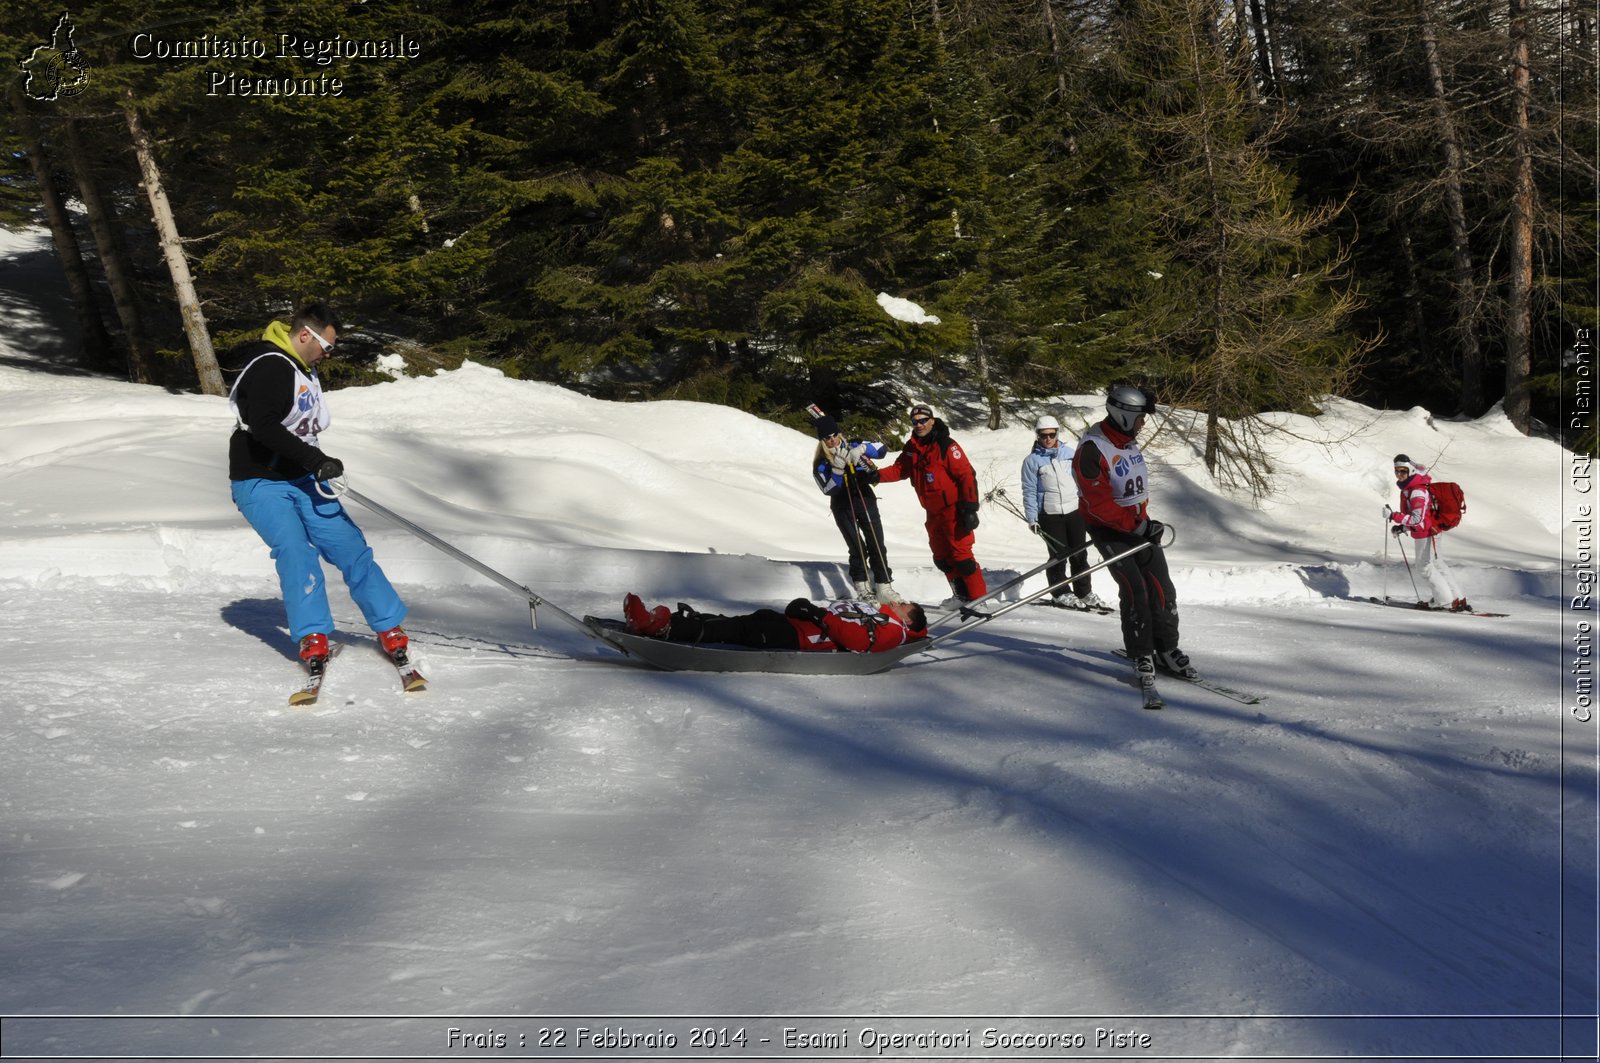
[(1126, 404)]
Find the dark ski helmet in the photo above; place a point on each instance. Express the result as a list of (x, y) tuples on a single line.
[(1126, 404)]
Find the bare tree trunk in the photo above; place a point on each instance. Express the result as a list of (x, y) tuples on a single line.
[(103, 223), (1057, 60), (1270, 23), (1413, 293), (1217, 252), (96, 342), (194, 322), (991, 393), (1266, 54), (1519, 298), (1472, 358)]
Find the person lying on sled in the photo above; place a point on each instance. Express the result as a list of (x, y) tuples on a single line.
[(851, 626)]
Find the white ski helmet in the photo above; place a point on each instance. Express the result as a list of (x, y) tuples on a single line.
[(1046, 422), (1126, 404)]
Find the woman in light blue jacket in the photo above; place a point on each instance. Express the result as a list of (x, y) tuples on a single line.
[(1050, 504)]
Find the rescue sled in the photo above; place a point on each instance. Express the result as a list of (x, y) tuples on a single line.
[(719, 657), (669, 656)]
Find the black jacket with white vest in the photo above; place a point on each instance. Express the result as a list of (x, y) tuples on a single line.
[(278, 403)]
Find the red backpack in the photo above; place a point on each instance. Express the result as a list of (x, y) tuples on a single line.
[(1446, 504)]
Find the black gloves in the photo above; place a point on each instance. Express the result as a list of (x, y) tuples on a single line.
[(1153, 531), (967, 515), (329, 468), (805, 609), (1398, 530), (867, 476)]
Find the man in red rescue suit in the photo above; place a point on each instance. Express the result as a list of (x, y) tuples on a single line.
[(948, 490), (1113, 496)]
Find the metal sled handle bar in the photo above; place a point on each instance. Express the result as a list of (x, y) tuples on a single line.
[(984, 618), (534, 601), (1007, 585)]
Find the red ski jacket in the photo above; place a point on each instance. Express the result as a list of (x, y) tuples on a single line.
[(937, 468), (850, 626), (1097, 497)]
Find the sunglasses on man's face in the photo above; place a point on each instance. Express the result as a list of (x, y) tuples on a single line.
[(1047, 435), (326, 346), (921, 420)]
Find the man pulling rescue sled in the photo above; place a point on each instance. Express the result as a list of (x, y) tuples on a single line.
[(1113, 494)]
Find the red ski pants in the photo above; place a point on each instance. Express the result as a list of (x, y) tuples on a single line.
[(952, 552)]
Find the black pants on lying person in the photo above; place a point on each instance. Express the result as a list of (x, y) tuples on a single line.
[(764, 629)]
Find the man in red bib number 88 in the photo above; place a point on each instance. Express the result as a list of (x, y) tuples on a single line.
[(1113, 497)]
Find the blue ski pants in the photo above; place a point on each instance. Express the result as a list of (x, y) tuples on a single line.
[(300, 526)]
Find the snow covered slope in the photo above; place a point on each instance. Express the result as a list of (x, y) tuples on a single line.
[(554, 838)]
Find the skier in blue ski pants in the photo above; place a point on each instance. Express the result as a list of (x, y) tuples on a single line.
[(300, 526), (275, 466)]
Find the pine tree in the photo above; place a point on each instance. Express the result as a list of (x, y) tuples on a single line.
[(1247, 314)]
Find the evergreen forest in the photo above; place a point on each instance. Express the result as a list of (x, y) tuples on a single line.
[(1245, 205)]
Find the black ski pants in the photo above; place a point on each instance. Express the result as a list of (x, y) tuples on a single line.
[(764, 629), (1063, 532), (856, 514), (1148, 600)]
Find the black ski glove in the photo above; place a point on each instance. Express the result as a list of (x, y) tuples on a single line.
[(967, 516), (1153, 531), (805, 609), (329, 468), (869, 477), (1398, 530)]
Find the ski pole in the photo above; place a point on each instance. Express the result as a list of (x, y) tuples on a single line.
[(1059, 545), (1387, 535), (999, 496), (1409, 574), (869, 537), (858, 542)]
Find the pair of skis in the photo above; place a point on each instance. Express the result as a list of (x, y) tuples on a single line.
[(1153, 699), (411, 678), (1094, 610), (1423, 607)]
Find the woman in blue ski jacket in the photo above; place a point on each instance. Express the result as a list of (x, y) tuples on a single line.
[(844, 471)]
